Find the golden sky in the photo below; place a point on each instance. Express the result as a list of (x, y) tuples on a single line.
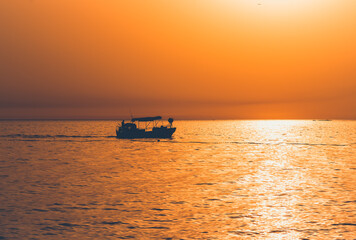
[(192, 59)]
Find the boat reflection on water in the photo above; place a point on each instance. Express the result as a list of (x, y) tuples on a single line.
[(153, 128)]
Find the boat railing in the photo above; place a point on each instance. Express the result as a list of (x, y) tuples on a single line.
[(153, 124), (148, 123)]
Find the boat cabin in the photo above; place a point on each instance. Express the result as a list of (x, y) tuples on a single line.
[(152, 128)]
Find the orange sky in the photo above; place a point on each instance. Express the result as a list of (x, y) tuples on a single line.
[(192, 59)]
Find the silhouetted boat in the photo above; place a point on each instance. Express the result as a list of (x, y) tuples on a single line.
[(150, 130)]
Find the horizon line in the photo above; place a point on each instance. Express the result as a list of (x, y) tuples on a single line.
[(178, 119)]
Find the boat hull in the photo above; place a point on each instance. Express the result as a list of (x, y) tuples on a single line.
[(140, 133)]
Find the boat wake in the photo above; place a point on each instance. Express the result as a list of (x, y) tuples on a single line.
[(37, 136), (249, 143)]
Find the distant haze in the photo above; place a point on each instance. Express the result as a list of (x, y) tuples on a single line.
[(203, 59)]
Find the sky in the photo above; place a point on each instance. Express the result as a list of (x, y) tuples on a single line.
[(187, 59)]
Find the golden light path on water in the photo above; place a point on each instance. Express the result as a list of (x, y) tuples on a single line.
[(282, 185), (213, 180), (275, 212)]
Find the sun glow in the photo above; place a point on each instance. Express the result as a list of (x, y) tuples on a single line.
[(289, 5), (276, 8), (201, 59)]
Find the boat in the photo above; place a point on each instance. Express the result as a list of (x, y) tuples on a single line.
[(153, 128)]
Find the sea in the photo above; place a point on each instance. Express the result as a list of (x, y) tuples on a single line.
[(233, 179)]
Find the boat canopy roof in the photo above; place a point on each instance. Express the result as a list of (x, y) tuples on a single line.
[(146, 119)]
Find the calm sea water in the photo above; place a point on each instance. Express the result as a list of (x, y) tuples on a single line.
[(213, 180)]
